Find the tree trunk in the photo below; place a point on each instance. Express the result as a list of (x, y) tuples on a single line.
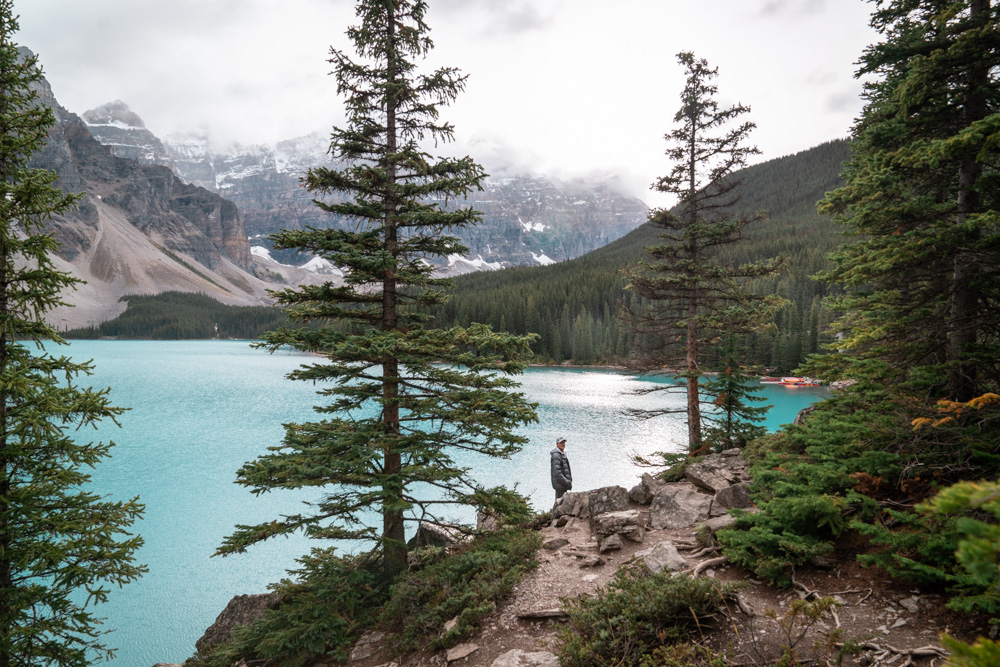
[(693, 399), (963, 318), (6, 539), (393, 533)]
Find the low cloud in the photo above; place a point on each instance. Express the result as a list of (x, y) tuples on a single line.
[(499, 18), (794, 7)]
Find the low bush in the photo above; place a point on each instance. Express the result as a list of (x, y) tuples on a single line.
[(683, 655), (635, 616), (324, 611), (465, 586)]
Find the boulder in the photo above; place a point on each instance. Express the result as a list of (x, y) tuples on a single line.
[(608, 499), (241, 610), (486, 522), (460, 651), (518, 658), (367, 645), (572, 504), (555, 543), (643, 492), (678, 506), (736, 496), (716, 524), (433, 535), (629, 524), (611, 543), (717, 471), (663, 556)]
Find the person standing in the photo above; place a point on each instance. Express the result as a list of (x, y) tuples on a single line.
[(562, 477)]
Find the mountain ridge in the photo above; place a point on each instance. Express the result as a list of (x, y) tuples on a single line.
[(139, 229), (527, 219)]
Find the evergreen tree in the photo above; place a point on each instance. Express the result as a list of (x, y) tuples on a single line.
[(60, 546), (734, 419), (686, 284), (405, 397), (921, 203)]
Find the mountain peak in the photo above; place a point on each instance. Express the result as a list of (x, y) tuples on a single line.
[(115, 125), (114, 113)]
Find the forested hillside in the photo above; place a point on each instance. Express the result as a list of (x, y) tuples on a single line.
[(573, 305), (185, 316)]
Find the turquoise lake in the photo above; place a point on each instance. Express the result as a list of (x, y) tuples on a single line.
[(200, 409)]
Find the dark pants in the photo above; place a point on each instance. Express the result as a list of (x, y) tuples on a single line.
[(559, 493)]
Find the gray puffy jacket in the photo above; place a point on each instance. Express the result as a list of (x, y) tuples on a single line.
[(562, 477)]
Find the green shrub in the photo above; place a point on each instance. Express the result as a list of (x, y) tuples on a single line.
[(324, 611), (984, 653), (683, 655), (465, 586), (634, 615), (918, 549), (804, 485), (673, 465)]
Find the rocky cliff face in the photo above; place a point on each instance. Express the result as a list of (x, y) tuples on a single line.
[(526, 219), (139, 228), (181, 217), (263, 181), (121, 129), (531, 219)]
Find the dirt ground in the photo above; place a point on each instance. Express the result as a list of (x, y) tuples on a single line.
[(897, 625)]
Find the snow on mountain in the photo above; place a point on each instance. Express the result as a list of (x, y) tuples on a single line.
[(316, 265), (542, 259), (559, 220), (117, 126), (299, 155)]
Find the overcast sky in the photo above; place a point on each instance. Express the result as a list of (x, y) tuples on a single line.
[(565, 87)]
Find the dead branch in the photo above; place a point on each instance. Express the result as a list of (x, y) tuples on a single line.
[(802, 587), (704, 565), (883, 656), (703, 552)]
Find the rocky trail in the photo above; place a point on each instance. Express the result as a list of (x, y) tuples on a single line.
[(594, 533)]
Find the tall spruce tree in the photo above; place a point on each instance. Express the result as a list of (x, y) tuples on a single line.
[(922, 205), (690, 297), (405, 398), (60, 545)]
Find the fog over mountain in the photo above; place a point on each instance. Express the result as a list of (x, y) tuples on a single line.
[(178, 214), (140, 229), (527, 219)]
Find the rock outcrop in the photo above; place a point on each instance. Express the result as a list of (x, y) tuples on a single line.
[(663, 556), (519, 658), (717, 471), (241, 610), (679, 505)]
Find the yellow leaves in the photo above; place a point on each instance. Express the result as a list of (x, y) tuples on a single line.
[(954, 409), (985, 399)]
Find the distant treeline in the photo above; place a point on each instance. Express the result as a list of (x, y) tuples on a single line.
[(574, 305), (181, 316)]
